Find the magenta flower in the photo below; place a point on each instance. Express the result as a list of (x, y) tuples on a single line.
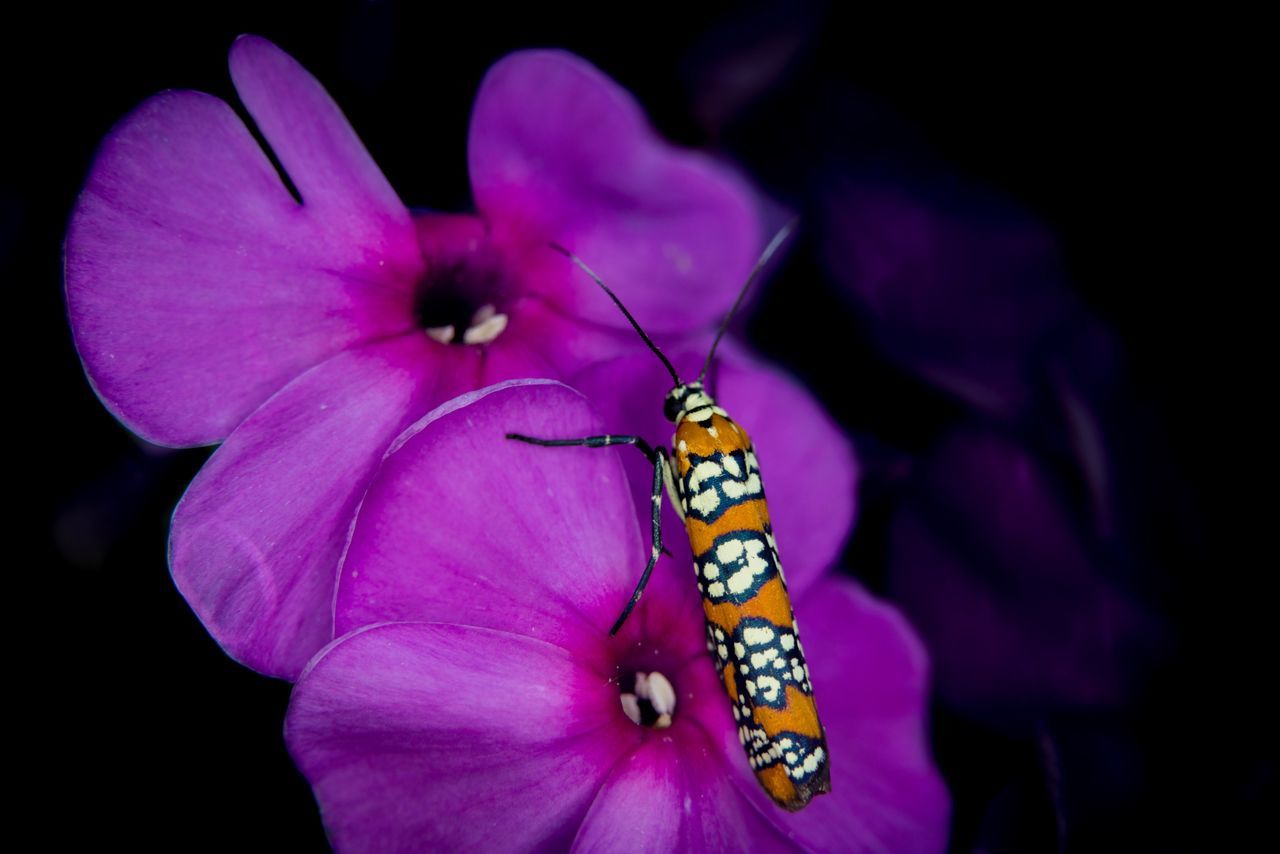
[(210, 305), (494, 712)]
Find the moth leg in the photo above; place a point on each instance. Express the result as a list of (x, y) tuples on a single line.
[(588, 442), (659, 466), (662, 469), (672, 480)]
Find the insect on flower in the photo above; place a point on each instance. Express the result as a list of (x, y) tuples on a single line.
[(713, 479)]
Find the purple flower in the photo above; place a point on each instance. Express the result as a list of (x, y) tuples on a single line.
[(210, 305), (476, 700), (1011, 587), (1006, 553), (957, 285)]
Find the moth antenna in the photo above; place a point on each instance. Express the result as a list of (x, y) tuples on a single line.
[(647, 340), (777, 241)]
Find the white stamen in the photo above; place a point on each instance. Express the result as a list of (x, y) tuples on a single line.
[(631, 706), (659, 693), (443, 334), (656, 690), (486, 330)]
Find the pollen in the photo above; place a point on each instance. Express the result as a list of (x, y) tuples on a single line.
[(443, 334), (652, 701), (486, 325)]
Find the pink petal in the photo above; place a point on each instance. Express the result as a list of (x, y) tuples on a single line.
[(464, 525), (557, 151), (563, 343), (444, 737), (810, 471), (333, 172), (673, 795), (870, 678), (197, 286), (256, 540)]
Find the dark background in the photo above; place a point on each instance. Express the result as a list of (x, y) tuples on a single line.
[(1133, 139)]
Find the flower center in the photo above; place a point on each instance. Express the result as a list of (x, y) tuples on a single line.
[(649, 699), (466, 286), (457, 301)]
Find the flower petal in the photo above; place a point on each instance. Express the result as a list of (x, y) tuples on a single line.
[(332, 170), (557, 151), (197, 286), (870, 678), (1009, 588), (256, 540), (464, 525), (809, 468), (961, 287), (418, 737), (673, 795)]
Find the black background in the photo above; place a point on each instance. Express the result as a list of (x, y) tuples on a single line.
[(1134, 139)]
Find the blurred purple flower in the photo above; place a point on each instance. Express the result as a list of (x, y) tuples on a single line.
[(208, 304), (489, 714), (1009, 585), (1006, 552), (956, 285)]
